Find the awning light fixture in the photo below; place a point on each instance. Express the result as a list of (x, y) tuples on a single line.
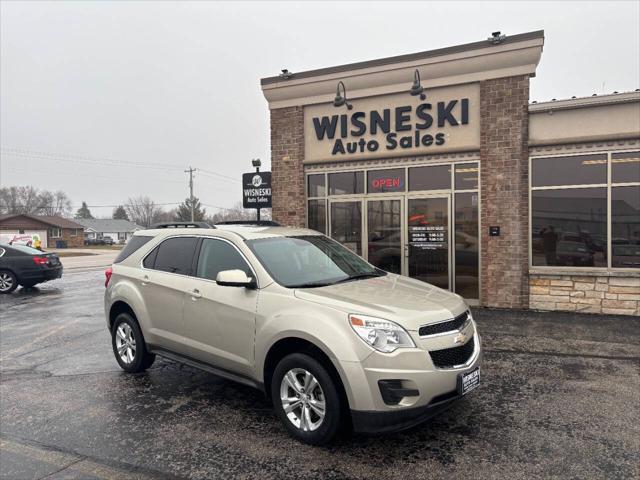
[(416, 88), (341, 98)]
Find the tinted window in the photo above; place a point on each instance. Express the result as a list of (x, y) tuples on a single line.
[(315, 187), (25, 249), (569, 227), (625, 227), (175, 255), (150, 259), (132, 245), (318, 215), (217, 256), (467, 243), (430, 178), (346, 183), (346, 224), (466, 177), (575, 170), (625, 167), (379, 181)]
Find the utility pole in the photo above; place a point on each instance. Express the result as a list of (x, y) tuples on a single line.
[(190, 172)]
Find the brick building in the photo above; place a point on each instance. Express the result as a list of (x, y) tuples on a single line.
[(23, 229), (436, 165)]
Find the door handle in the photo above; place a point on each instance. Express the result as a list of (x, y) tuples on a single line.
[(195, 293), (145, 280)]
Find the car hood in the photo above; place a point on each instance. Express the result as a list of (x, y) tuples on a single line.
[(406, 301)]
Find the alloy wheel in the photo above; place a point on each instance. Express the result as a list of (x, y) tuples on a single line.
[(125, 343), (6, 282), (302, 399)]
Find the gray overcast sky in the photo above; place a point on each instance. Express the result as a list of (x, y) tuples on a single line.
[(175, 84)]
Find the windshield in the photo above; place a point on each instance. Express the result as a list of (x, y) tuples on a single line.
[(310, 261)]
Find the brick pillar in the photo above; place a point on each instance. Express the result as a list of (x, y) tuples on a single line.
[(504, 191), (287, 177)]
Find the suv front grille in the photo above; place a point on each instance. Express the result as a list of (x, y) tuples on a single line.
[(450, 357), (443, 327)]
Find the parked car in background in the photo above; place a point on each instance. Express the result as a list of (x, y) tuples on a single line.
[(26, 266), (331, 339)]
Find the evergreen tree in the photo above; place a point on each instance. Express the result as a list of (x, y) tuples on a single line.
[(183, 213), (120, 213), (83, 211)]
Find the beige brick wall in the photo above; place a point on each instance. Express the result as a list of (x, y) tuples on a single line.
[(591, 294), (287, 172), (504, 191)]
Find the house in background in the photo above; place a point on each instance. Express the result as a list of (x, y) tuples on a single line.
[(118, 230), (52, 231)]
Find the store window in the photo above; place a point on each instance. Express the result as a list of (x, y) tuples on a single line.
[(570, 201), (346, 183), (437, 177), (466, 176), (467, 245), (382, 181), (316, 186), (317, 215)]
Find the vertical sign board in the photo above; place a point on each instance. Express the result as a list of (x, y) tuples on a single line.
[(256, 190)]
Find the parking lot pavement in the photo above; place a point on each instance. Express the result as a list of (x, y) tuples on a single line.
[(559, 398)]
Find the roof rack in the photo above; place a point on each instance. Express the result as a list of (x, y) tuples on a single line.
[(262, 223), (181, 225)]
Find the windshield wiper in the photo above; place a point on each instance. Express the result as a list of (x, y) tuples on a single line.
[(311, 285), (359, 276)]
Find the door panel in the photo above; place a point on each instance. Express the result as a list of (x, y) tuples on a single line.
[(220, 325), (220, 321), (384, 245), (428, 240)]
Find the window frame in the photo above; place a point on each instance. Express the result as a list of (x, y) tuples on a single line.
[(53, 229), (608, 186)]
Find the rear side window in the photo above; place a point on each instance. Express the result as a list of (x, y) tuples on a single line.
[(217, 256), (132, 245), (175, 255)]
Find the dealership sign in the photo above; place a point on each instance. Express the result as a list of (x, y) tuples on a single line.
[(256, 190), (394, 125)]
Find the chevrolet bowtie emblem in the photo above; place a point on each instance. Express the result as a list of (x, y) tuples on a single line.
[(460, 339)]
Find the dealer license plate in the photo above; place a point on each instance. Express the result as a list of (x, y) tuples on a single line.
[(468, 381)]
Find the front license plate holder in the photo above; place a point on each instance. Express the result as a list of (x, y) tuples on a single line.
[(468, 381)]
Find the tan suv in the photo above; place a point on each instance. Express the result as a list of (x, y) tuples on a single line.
[(331, 339)]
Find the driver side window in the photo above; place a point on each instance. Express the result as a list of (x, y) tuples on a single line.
[(217, 256)]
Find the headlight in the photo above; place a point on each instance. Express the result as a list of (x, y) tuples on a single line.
[(382, 335)]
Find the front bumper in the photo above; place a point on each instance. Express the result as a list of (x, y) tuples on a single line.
[(433, 389)]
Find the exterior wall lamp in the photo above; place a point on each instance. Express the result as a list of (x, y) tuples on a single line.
[(341, 99), (416, 88)]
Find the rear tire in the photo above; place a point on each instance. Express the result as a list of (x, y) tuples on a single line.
[(305, 388), (128, 345), (8, 281)]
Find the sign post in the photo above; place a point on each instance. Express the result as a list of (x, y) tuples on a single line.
[(256, 189)]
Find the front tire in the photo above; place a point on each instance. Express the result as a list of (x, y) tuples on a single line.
[(306, 399), (8, 281), (128, 345)]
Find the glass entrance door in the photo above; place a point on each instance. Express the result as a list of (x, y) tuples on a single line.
[(384, 234), (428, 238)]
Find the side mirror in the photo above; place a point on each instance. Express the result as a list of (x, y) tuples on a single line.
[(235, 278)]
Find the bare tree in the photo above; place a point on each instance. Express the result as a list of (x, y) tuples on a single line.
[(142, 210), (56, 204), (19, 200), (237, 212)]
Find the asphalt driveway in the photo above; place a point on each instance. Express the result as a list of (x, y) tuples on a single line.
[(560, 398)]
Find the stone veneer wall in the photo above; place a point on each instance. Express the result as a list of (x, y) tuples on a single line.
[(504, 191), (287, 172), (585, 293)]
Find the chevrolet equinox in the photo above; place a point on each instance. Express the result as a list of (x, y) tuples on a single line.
[(332, 340)]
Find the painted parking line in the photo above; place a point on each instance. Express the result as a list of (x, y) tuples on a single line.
[(69, 462)]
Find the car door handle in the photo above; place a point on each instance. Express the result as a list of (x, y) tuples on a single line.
[(195, 293), (145, 280)]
